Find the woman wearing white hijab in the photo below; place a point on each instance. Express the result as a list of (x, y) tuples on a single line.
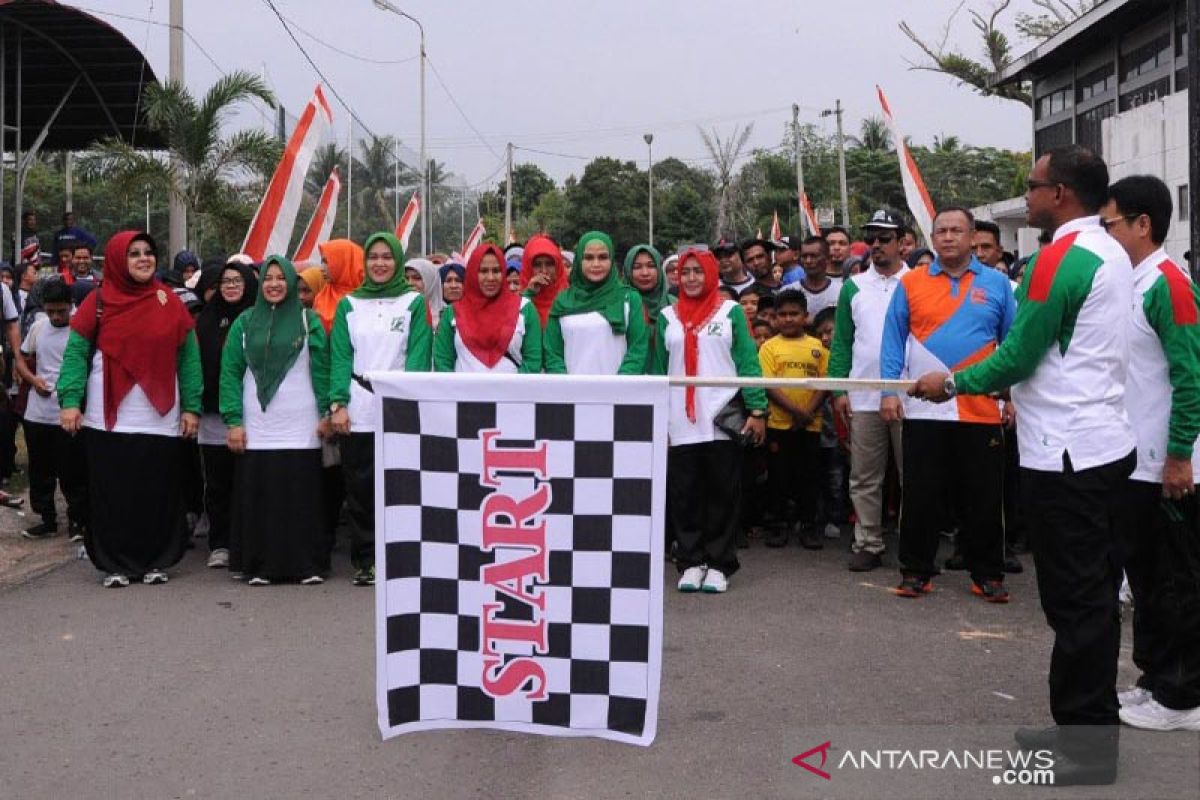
[(423, 276)]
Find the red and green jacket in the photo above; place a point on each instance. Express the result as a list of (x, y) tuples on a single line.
[(1067, 352), (1163, 388)]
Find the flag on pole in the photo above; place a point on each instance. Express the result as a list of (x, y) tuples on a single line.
[(520, 553), (271, 229), (473, 239), (919, 204), (408, 220), (776, 232), (809, 217), (320, 226)]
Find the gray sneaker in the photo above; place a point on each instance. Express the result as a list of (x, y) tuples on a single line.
[(219, 558), (154, 577)]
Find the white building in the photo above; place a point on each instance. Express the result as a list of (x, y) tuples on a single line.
[(1114, 80)]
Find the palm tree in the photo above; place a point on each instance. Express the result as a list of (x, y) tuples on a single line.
[(325, 160), (725, 154), (874, 135), (201, 167)]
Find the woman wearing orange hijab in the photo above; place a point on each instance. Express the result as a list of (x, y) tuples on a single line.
[(345, 262)]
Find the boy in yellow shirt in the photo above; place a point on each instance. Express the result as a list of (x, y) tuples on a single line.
[(794, 423)]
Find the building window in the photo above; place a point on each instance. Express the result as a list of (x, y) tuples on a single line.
[(1146, 94), (1054, 103), (1184, 203), (1095, 83), (1146, 58), (1052, 136), (1088, 127)]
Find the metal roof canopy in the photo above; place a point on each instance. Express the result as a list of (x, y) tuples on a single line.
[(67, 79)]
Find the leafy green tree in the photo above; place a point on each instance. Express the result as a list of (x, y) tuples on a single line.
[(213, 175), (610, 196)]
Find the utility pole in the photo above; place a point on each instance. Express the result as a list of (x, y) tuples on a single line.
[(1193, 37), (428, 215), (799, 169), (508, 180), (649, 139), (841, 140), (177, 214), (350, 178), (69, 182)]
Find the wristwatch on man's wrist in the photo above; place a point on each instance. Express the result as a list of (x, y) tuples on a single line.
[(948, 387), (335, 407)]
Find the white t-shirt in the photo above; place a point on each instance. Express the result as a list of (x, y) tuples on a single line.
[(47, 343), (816, 301), (135, 414), (589, 345)]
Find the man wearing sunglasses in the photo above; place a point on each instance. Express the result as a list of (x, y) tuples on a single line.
[(857, 337), (1066, 358), (1158, 523)]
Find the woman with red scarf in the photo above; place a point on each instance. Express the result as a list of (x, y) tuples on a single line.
[(133, 356), (706, 336), (490, 329), (543, 275)]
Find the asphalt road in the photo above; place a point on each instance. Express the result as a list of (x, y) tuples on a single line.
[(208, 688)]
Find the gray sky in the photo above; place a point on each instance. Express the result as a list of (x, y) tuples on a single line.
[(589, 78)]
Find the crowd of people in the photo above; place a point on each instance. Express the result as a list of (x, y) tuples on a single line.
[(231, 395)]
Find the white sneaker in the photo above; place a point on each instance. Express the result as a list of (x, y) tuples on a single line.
[(115, 581), (1154, 716), (832, 531), (312, 580), (691, 579), (154, 576), (1133, 696), (715, 582), (219, 558), (258, 580)]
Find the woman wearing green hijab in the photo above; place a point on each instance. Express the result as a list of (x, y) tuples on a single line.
[(383, 325), (596, 325), (643, 271), (274, 383)]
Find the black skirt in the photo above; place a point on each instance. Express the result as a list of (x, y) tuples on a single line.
[(278, 514), (137, 519)]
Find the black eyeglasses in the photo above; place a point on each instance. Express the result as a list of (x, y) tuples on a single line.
[(883, 238), (1032, 185)]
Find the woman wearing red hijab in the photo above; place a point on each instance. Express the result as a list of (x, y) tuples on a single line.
[(704, 335), (542, 274), (490, 329), (132, 355)]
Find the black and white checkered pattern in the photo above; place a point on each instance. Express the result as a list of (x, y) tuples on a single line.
[(603, 593)]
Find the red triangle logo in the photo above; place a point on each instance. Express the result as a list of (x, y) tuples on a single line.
[(801, 760)]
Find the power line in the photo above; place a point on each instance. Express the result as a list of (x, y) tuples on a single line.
[(462, 113), (549, 153), (347, 53)]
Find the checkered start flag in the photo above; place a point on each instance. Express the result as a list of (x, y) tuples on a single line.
[(519, 549)]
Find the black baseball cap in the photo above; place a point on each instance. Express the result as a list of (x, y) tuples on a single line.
[(883, 219), (724, 245), (791, 241)]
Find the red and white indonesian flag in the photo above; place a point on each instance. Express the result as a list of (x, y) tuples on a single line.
[(320, 226), (408, 220), (272, 227), (519, 549), (809, 217), (776, 232), (473, 240), (919, 204)]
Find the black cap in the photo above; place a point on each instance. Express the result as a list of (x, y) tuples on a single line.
[(724, 245), (883, 219), (791, 241)]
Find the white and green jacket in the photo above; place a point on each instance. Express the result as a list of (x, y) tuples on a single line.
[(375, 335), (858, 330), (1163, 388), (726, 350), (1067, 354)]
